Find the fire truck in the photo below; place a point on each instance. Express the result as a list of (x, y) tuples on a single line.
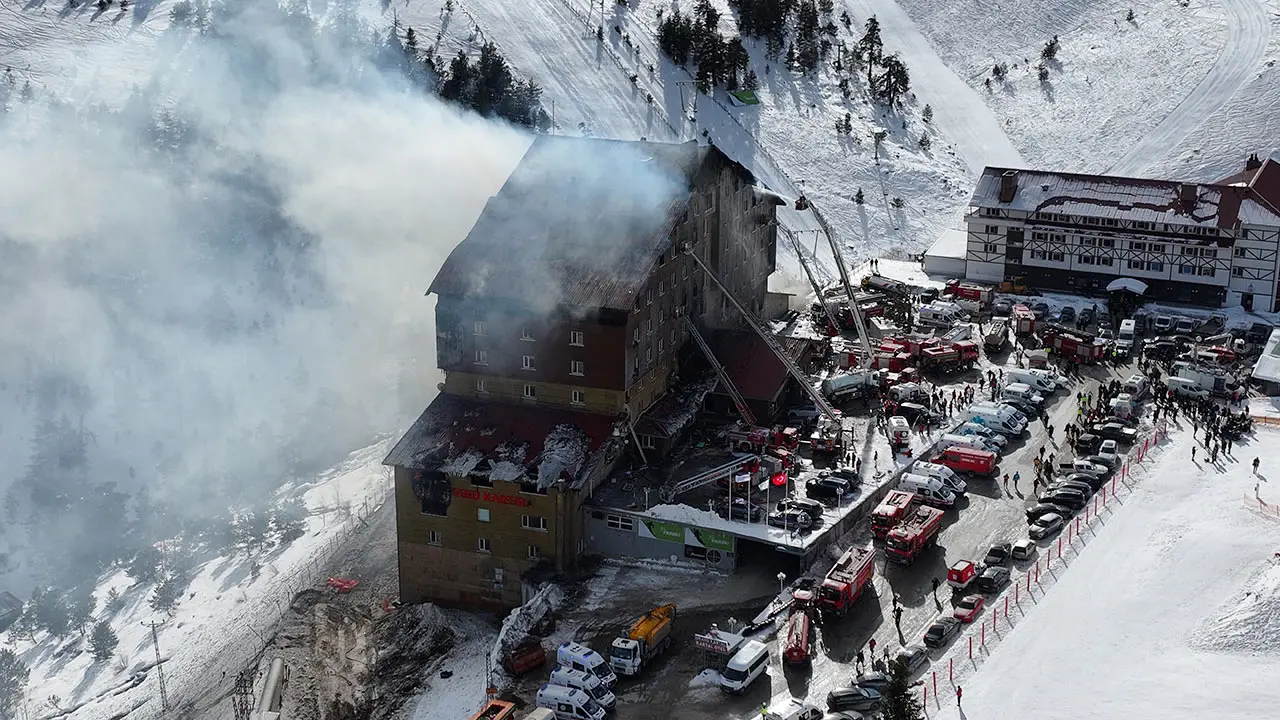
[(917, 532), (981, 294), (1084, 347), (950, 358), (886, 285), (846, 580), (795, 639), (756, 439), (890, 512)]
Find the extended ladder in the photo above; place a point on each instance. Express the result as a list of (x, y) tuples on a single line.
[(813, 281), (765, 335), (738, 401)]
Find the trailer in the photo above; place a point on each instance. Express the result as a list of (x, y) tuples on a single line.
[(795, 639), (895, 506), (646, 639), (917, 532), (846, 580)]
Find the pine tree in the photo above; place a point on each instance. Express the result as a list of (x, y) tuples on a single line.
[(859, 197), (13, 682), (845, 19), (826, 6), (927, 114), (411, 42), (751, 82), (925, 142), (1050, 50), (80, 607), (900, 701), (165, 597), (145, 565), (1129, 17), (877, 138), (871, 47), (1043, 73), (50, 612), (103, 641), (894, 82), (289, 520)]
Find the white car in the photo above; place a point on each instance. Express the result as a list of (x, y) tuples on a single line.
[(1045, 525), (792, 709), (1023, 549)]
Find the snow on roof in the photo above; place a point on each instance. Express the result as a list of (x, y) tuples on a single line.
[(952, 243), (563, 451), (509, 465), (677, 408), (1268, 366)]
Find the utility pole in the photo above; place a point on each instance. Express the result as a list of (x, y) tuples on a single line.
[(242, 697), (155, 641)]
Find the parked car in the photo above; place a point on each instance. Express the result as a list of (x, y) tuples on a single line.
[(740, 509), (793, 709), (1035, 511), (997, 555), (1001, 308), (1114, 431), (1045, 526), (827, 488), (853, 698), (992, 579), (791, 519), (1109, 447), (913, 656), (968, 608), (844, 473), (941, 631), (1087, 316), (1110, 460), (1024, 549), (1081, 487), (1093, 482), (1067, 314), (1073, 499), (877, 681), (812, 508), (1087, 443), (1040, 310)]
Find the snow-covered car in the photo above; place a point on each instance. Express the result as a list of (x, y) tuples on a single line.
[(968, 608), (875, 680), (997, 555), (1002, 308), (1045, 526), (853, 698), (1111, 460), (992, 579), (792, 709), (1109, 447), (941, 631), (1024, 549), (913, 656), (790, 519)]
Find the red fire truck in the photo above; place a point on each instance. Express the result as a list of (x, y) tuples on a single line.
[(795, 640), (890, 512), (968, 461), (846, 580), (950, 358), (757, 439), (969, 291), (917, 532), (1024, 320), (1083, 347)]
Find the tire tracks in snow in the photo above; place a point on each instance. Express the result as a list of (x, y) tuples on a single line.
[(1248, 31), (957, 108)]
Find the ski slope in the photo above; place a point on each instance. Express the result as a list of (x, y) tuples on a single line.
[(1170, 611)]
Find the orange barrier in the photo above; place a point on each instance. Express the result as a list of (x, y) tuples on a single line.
[(1264, 420)]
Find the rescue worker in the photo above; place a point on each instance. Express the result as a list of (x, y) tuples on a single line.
[(959, 692), (1255, 466), (1016, 476)]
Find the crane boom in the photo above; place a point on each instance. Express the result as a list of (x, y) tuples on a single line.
[(738, 401), (813, 280), (772, 344), (863, 337)]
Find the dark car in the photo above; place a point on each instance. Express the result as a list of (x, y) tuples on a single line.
[(844, 473), (791, 519), (1258, 333), (741, 510), (1086, 316), (1115, 431), (877, 681), (827, 488), (1104, 321), (998, 555), (1095, 482), (913, 656), (812, 508), (1040, 310), (1083, 488), (1087, 443), (1070, 498), (853, 698), (1027, 407), (941, 631), (1111, 462), (1001, 308), (1045, 508), (1066, 314), (992, 579)]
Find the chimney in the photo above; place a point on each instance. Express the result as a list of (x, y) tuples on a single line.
[(1008, 185), (1187, 197), (1253, 163)]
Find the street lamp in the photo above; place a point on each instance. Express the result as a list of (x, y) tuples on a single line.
[(782, 578)]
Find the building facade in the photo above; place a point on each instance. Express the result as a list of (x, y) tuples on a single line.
[(560, 320), (1207, 244)]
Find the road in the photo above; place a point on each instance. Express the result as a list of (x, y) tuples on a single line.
[(958, 110), (989, 516), (1248, 30)]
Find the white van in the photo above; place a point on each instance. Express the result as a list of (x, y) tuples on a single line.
[(1186, 388), (982, 431), (1035, 378), (1022, 392), (749, 663), (586, 682), (943, 473), (541, 714), (1004, 419), (976, 442), (577, 656), (930, 490), (941, 314), (1136, 386), (1126, 335), (569, 703)]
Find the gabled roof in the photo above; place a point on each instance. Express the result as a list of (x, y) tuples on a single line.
[(579, 223), (752, 366), (1262, 178), (1162, 201)]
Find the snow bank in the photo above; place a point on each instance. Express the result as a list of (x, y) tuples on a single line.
[(1250, 621), (462, 693)]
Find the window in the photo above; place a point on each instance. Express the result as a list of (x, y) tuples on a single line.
[(482, 357), (1039, 236), (1188, 251), (990, 248), (1136, 264), (1208, 252), (1186, 270), (660, 346), (482, 514), (527, 363), (1239, 252), (533, 522), (648, 354), (576, 338), (1105, 261), (535, 552), (1107, 242), (1210, 272), (577, 367), (481, 386), (993, 229), (1137, 246), (530, 392), (482, 544), (662, 288), (498, 576), (618, 522), (648, 325), (1156, 248), (649, 299), (1237, 272), (477, 327), (579, 397), (1155, 267), (1057, 256), (684, 272), (434, 538), (526, 334), (673, 337), (1085, 259)]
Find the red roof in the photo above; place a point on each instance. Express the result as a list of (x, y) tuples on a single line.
[(452, 425), (754, 369)]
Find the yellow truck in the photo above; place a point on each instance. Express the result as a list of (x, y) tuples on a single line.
[(644, 640)]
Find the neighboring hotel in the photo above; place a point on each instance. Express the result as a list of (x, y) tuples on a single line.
[(560, 322), (1205, 244)]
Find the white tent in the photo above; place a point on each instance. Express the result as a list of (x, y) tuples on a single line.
[(1136, 287)]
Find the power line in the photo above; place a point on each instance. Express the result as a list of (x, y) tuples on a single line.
[(155, 641)]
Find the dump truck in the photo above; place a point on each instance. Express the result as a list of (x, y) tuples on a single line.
[(846, 580), (643, 641)]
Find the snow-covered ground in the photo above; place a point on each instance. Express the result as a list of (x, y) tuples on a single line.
[(220, 621), (1168, 612), (460, 691)]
